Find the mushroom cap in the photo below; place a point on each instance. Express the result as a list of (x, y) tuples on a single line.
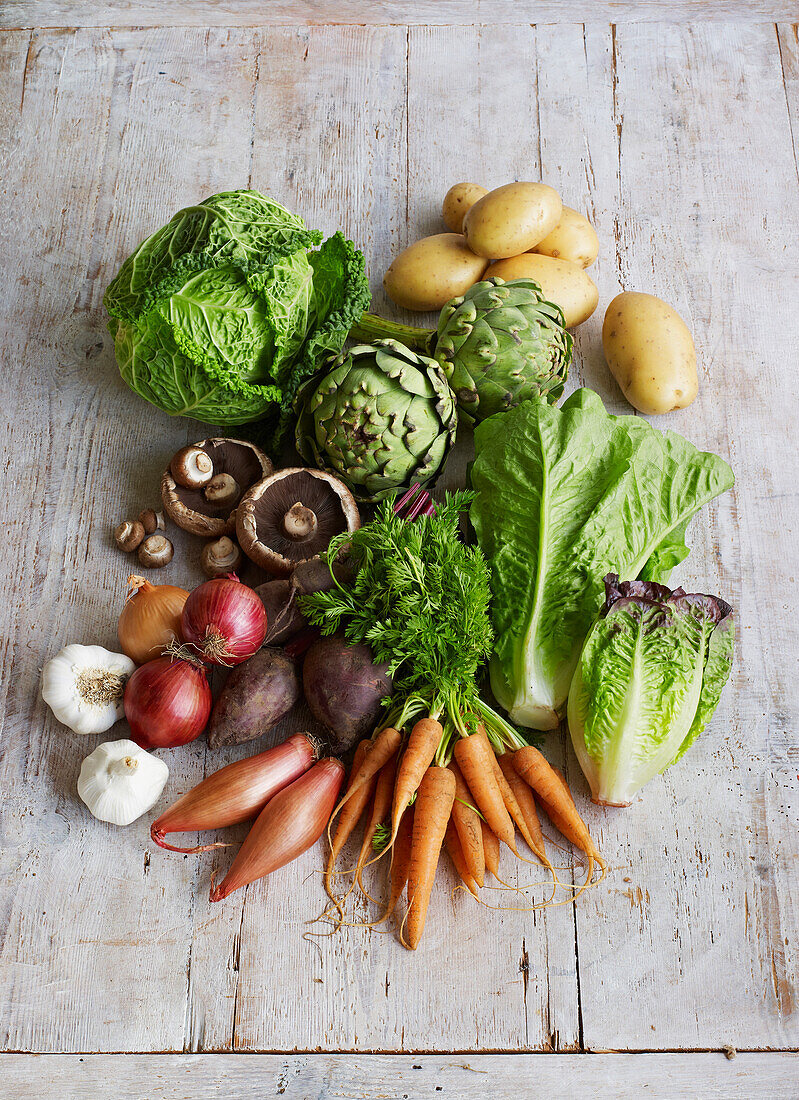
[(261, 512), (189, 509)]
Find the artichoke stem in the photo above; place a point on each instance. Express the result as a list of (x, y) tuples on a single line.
[(371, 327)]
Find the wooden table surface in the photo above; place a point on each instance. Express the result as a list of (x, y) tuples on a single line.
[(677, 134)]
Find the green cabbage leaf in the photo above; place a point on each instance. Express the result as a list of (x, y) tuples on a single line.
[(563, 497), (647, 681), (221, 313)]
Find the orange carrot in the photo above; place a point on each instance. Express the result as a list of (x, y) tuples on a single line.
[(383, 748), (535, 770), (453, 845), (523, 809), (400, 861), (433, 808), (475, 757), (565, 785), (350, 815), (467, 822), (419, 752), (491, 849), (381, 808)]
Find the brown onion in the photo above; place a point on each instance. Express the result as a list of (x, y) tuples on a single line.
[(150, 619), (236, 792), (286, 827)]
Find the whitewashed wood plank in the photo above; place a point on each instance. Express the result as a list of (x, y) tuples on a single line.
[(458, 119), (788, 37), (114, 132), (328, 140), (224, 13), (697, 926), (378, 1077)]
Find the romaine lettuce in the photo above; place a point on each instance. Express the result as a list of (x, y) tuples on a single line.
[(648, 679), (221, 313), (564, 496)]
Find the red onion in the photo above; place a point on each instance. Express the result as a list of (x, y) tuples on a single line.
[(224, 620), (235, 793), (167, 702), (286, 827)]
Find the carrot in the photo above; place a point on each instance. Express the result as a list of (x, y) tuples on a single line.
[(491, 849), (381, 807), (474, 755), (400, 861), (523, 809), (350, 815), (383, 748), (565, 785), (551, 792), (467, 822), (453, 845), (419, 752), (433, 808)]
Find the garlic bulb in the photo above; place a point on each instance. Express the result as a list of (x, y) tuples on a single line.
[(83, 686), (119, 781)]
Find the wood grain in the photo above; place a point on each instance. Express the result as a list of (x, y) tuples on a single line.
[(679, 142), (376, 1077), (247, 13), (706, 947)]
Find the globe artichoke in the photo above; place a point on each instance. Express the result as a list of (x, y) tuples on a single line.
[(500, 344), (381, 418)]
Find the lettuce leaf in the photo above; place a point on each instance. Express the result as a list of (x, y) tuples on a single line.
[(647, 682), (564, 496)]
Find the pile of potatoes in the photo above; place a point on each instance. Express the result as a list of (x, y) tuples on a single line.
[(523, 231)]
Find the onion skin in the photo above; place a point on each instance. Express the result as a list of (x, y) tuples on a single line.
[(167, 703), (150, 619), (236, 792), (287, 826), (224, 620)]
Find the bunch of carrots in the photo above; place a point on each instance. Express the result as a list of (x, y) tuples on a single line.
[(463, 778), (469, 806)]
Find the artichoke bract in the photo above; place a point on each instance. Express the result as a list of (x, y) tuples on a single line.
[(499, 343), (382, 417)]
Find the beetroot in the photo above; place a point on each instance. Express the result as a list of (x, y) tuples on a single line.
[(257, 694), (344, 689)]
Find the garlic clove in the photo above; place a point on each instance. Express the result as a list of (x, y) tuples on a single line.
[(83, 685), (120, 781)]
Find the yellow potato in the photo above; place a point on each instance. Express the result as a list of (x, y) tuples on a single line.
[(460, 198), (511, 219), (650, 352), (573, 238), (562, 282), (430, 272)]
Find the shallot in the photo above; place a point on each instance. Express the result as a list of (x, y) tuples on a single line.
[(236, 792), (287, 826)]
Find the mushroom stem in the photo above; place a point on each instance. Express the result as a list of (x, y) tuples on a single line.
[(299, 522), (222, 491)]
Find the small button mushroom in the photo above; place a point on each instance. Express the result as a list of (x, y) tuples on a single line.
[(128, 535), (192, 467), (222, 491), (155, 552), (220, 557), (151, 521)]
